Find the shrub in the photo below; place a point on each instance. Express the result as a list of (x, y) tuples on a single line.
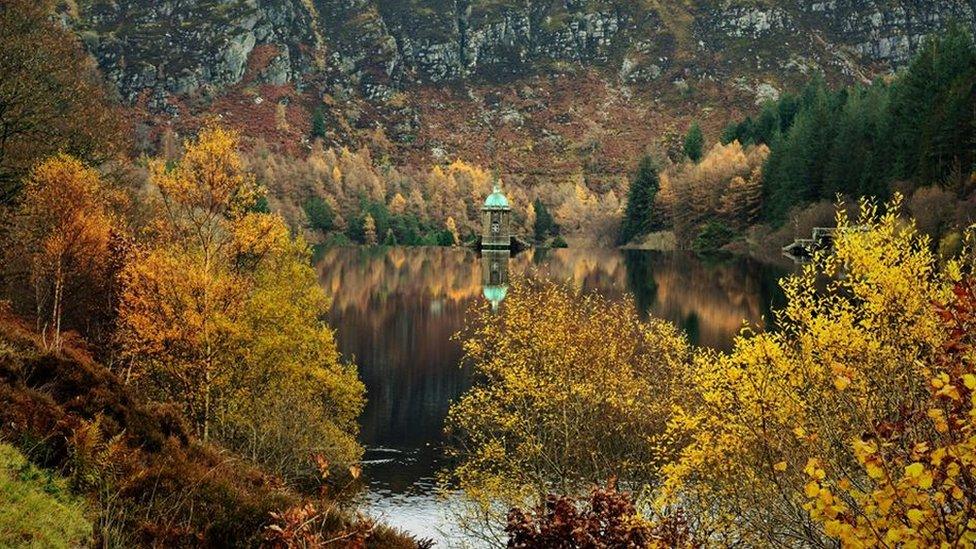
[(914, 485), (559, 242), (713, 237), (813, 431), (933, 209), (574, 388), (607, 518)]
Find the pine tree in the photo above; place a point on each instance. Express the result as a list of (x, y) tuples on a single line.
[(795, 171), (639, 216), (390, 239), (318, 124), (767, 125), (694, 143), (319, 213), (931, 130), (544, 223)]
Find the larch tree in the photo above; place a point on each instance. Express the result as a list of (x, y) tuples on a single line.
[(453, 229), (398, 204), (369, 230), (742, 202), (61, 230)]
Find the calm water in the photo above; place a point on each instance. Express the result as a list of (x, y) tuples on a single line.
[(395, 311)]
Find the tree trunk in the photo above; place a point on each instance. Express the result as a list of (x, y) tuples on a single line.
[(206, 402), (56, 307)]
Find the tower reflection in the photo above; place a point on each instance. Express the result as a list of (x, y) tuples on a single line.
[(494, 275)]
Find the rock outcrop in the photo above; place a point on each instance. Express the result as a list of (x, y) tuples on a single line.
[(160, 49)]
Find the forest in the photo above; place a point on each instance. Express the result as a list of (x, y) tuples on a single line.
[(168, 376), (911, 133)]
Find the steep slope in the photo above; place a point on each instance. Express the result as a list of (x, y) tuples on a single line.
[(183, 46), (539, 88), (146, 479)]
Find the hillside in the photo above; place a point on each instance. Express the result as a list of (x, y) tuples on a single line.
[(144, 479), (538, 88)]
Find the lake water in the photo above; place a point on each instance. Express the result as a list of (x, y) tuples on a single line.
[(395, 311)]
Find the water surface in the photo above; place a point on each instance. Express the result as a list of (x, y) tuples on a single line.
[(395, 311)]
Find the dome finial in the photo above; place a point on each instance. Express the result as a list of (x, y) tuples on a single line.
[(496, 200)]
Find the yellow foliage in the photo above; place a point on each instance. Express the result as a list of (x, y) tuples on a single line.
[(777, 426), (573, 390), (369, 229), (209, 181), (452, 228), (398, 205), (61, 230), (220, 313)]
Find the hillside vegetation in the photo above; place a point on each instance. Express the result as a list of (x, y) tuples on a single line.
[(913, 133), (36, 506), (135, 470)]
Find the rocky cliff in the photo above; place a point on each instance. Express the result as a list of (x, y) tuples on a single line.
[(378, 46), (561, 87)]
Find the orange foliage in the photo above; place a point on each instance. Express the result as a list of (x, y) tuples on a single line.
[(456, 190), (725, 185), (61, 231)]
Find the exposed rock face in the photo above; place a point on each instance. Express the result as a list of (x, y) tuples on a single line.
[(863, 31), (182, 47)]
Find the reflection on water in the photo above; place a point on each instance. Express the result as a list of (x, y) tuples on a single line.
[(395, 311), (494, 276)]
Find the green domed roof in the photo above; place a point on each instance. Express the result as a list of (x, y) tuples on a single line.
[(496, 199)]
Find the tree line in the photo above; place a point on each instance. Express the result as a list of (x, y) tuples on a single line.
[(903, 133)]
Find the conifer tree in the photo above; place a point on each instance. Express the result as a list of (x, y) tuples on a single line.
[(742, 202), (639, 214), (932, 110), (544, 223), (694, 142), (318, 124)]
